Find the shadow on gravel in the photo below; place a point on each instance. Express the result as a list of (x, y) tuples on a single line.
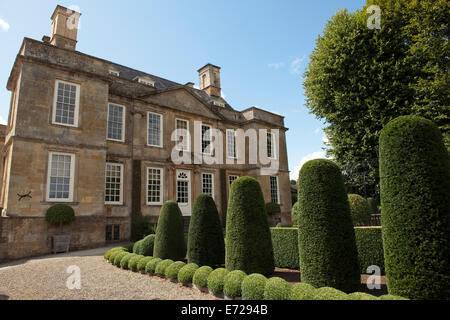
[(4, 297)]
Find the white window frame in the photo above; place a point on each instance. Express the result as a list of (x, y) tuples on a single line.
[(123, 122), (161, 195), (232, 175), (188, 148), (77, 104), (212, 183), (234, 132), (72, 177), (272, 139), (120, 202), (278, 188), (160, 133), (114, 73), (146, 82), (210, 140)]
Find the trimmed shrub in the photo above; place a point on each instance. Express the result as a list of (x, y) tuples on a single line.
[(200, 278), (128, 247), (169, 240), (113, 254), (60, 213), (132, 264), (295, 214), (373, 206), (206, 246), (302, 291), (124, 261), (252, 287), (109, 252), (361, 296), (359, 209), (327, 248), (216, 280), (186, 273), (391, 297), (173, 270), (285, 247), (248, 241), (118, 257), (415, 201), (233, 282), (160, 269), (370, 248), (327, 293), (272, 208), (141, 227), (145, 246), (277, 289), (143, 262), (150, 267)]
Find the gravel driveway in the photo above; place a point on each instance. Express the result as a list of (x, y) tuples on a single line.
[(45, 278)]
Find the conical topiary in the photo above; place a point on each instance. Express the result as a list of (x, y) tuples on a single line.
[(248, 245), (206, 245), (169, 239)]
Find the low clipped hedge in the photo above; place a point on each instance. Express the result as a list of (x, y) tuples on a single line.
[(302, 291), (145, 246), (328, 293), (200, 278), (285, 247), (173, 270), (277, 289), (124, 261), (150, 268), (118, 257), (216, 280), (361, 296), (160, 269), (252, 287), (186, 273), (391, 297), (233, 282), (108, 253), (132, 264), (142, 263), (369, 242)]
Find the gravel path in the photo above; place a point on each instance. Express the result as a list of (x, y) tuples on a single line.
[(45, 278)]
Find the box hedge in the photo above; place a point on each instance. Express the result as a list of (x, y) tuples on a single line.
[(200, 278), (150, 267), (369, 242), (216, 280), (233, 282), (361, 296), (132, 264), (143, 262), (302, 291), (160, 269), (186, 273), (252, 287), (277, 289), (59, 214), (415, 201), (124, 261), (118, 257), (328, 293), (145, 246), (285, 247), (173, 270)]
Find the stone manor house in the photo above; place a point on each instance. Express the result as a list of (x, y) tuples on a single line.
[(98, 136)]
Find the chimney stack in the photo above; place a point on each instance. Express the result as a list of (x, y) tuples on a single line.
[(210, 80), (65, 28)]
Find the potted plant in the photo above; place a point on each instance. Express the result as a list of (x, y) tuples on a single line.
[(58, 215)]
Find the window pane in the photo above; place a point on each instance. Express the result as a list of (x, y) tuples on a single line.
[(231, 144), (182, 135), (206, 139), (115, 122), (269, 145), (154, 185), (113, 183), (154, 129), (232, 178), (60, 177), (274, 189), (207, 184), (65, 104)]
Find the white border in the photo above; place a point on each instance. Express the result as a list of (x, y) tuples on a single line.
[(72, 175), (161, 196), (121, 184), (123, 122), (161, 132), (77, 104)]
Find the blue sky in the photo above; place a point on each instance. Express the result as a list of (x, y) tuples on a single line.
[(262, 47)]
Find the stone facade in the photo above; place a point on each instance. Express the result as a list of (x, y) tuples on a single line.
[(33, 136)]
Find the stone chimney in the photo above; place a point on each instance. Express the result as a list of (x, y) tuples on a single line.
[(190, 84), (65, 28), (210, 80)]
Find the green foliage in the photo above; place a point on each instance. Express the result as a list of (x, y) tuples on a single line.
[(109, 252), (285, 247), (143, 262), (361, 296), (359, 209), (113, 254), (359, 79), (327, 248), (327, 293), (216, 280), (125, 260), (60, 213), (186, 273), (415, 200), (161, 268), (128, 247), (302, 291), (141, 227), (200, 278), (145, 246), (294, 214), (248, 242), (169, 241), (272, 208), (233, 282), (206, 245), (132, 264), (173, 270), (252, 287), (118, 258), (370, 248), (150, 267), (277, 289), (391, 297), (373, 206)]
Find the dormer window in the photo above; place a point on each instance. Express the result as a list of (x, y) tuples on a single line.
[(114, 73), (146, 81), (219, 104)]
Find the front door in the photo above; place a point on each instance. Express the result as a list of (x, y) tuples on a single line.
[(184, 191)]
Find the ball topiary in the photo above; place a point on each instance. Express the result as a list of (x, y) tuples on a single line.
[(124, 261), (118, 257), (391, 297), (277, 289), (252, 287), (113, 254), (233, 282), (327, 249), (142, 263), (361, 296), (206, 246), (216, 280), (150, 267), (169, 240), (186, 273), (272, 208), (160, 269), (60, 213), (327, 293), (200, 278), (132, 263), (173, 270), (248, 240), (359, 209), (145, 246), (110, 251), (302, 291), (415, 201)]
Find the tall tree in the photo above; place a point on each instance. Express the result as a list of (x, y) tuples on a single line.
[(359, 79)]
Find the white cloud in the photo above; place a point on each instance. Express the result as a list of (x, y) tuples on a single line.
[(276, 66), (305, 159), (296, 65), (4, 25), (3, 121)]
